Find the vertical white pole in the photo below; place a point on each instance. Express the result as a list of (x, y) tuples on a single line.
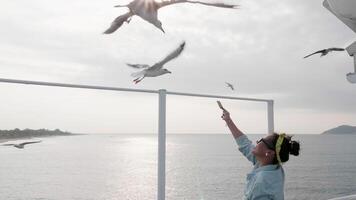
[(161, 145), (270, 116)]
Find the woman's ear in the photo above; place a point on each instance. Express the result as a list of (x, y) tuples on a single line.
[(270, 153)]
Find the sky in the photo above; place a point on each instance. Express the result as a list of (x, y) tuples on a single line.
[(259, 48)]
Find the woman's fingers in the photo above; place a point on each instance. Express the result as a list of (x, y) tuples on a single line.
[(225, 115)]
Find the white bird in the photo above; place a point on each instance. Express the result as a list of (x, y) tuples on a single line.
[(21, 145), (147, 10), (325, 51), (156, 69), (229, 85)]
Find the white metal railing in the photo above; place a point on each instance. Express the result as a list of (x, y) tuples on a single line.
[(162, 93), (349, 197)]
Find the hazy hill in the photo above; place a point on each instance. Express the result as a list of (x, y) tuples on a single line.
[(343, 129), (26, 133)]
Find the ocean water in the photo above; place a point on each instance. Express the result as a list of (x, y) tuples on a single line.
[(198, 167)]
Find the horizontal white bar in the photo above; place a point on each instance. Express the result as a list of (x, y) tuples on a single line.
[(74, 85), (123, 89), (217, 96), (350, 197)]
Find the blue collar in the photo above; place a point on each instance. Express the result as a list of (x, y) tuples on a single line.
[(266, 168)]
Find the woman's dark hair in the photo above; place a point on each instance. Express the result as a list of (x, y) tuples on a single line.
[(288, 146)]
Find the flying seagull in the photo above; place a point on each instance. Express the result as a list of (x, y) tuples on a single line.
[(229, 85), (325, 51), (147, 10), (21, 145), (156, 69)]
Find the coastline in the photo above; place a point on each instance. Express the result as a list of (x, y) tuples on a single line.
[(29, 134)]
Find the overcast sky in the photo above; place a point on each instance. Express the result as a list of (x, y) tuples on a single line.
[(259, 48)]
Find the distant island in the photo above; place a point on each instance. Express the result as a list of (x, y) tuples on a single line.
[(27, 133), (343, 129)]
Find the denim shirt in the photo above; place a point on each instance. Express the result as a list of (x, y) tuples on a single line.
[(263, 183)]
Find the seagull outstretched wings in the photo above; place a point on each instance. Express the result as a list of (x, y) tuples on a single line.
[(148, 11), (324, 52), (156, 69), (22, 145), (229, 85)]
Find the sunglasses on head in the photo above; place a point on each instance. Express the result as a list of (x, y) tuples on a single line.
[(266, 143)]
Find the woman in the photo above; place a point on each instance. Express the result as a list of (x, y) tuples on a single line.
[(266, 181)]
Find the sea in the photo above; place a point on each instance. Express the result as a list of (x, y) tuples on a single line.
[(198, 167)]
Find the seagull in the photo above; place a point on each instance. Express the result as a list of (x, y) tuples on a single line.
[(21, 145), (147, 10), (156, 69), (229, 85), (325, 51)]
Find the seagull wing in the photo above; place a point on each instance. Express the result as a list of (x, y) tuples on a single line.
[(139, 74), (167, 3), (168, 58), (117, 23), (138, 66), (320, 51), (230, 85), (221, 5), (119, 6), (24, 143), (336, 49), (8, 144)]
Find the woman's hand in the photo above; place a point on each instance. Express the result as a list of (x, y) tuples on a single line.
[(226, 115)]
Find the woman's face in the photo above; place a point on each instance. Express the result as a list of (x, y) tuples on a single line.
[(263, 146)]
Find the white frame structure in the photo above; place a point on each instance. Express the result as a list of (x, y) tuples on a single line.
[(162, 93)]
